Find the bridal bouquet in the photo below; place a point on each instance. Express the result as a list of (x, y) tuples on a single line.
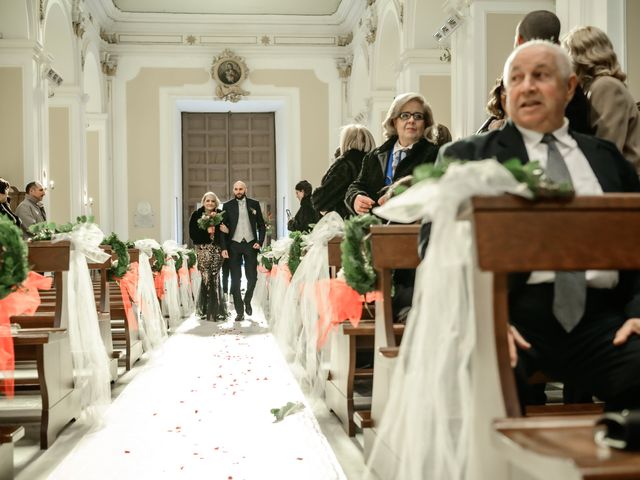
[(208, 221)]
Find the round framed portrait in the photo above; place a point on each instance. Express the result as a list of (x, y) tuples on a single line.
[(229, 72)]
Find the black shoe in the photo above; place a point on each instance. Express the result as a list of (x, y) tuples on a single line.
[(248, 309), (239, 318)]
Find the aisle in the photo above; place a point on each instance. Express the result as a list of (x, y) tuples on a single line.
[(200, 408)]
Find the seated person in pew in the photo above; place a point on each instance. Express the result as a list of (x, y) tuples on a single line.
[(578, 327), (404, 149)]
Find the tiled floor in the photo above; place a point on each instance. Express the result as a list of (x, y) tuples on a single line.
[(130, 447)]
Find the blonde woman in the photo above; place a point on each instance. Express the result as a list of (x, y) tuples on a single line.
[(209, 242), (355, 142), (614, 114)]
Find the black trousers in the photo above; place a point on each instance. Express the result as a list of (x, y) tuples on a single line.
[(242, 253), (586, 357), (225, 275)]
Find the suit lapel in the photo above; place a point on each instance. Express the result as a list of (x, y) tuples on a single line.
[(510, 145), (602, 165)]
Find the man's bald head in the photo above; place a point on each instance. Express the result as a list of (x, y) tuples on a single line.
[(239, 190), (538, 25)]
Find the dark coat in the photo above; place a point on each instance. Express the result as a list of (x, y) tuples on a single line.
[(256, 220), (202, 237), (5, 209), (329, 196), (370, 181), (613, 172), (305, 216)]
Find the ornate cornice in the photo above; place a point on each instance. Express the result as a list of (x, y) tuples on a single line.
[(109, 64)]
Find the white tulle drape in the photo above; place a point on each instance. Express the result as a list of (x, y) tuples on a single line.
[(90, 361), (278, 285), (171, 299), (196, 282), (313, 274), (260, 299), (427, 423), (187, 305), (150, 311)]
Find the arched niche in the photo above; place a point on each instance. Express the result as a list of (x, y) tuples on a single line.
[(387, 50), (58, 41), (92, 82), (14, 20), (359, 85)]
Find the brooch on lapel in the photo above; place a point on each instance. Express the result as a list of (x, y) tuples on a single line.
[(253, 211)]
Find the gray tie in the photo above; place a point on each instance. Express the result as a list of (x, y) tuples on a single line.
[(570, 288)]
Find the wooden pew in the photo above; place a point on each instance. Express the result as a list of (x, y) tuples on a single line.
[(8, 436), (393, 247), (511, 235), (43, 344), (348, 385), (125, 337)]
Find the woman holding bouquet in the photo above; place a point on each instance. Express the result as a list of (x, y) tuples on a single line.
[(209, 238)]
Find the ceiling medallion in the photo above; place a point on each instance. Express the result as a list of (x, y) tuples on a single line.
[(229, 71)]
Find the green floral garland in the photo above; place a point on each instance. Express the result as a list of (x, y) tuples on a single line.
[(46, 230), (13, 259), (159, 259), (120, 267), (295, 251), (356, 253), (266, 262), (191, 259), (178, 261)]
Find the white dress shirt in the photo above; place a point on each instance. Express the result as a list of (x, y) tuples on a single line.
[(584, 182)]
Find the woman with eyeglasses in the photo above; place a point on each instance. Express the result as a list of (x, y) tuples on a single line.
[(404, 149), (5, 208)]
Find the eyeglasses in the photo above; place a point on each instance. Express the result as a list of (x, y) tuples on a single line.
[(407, 115)]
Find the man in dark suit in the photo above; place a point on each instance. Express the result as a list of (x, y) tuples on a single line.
[(599, 349), (246, 226)]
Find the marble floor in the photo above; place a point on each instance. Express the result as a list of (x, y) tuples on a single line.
[(199, 407)]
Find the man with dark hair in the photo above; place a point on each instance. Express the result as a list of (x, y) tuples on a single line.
[(31, 209), (583, 327), (306, 214), (545, 25)]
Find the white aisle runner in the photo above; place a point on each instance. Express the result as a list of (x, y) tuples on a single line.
[(201, 409)]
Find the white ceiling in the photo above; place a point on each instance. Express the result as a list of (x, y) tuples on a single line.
[(233, 7)]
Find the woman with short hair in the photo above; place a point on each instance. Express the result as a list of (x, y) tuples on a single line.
[(209, 241)]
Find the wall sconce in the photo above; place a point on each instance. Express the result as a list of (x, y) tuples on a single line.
[(451, 24), (52, 185)]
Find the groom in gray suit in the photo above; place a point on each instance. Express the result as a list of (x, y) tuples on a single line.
[(598, 351)]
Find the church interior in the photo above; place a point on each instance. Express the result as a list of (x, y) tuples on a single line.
[(128, 111)]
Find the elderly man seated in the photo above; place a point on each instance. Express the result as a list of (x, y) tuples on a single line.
[(579, 327)]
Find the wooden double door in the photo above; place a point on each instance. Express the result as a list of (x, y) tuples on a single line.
[(219, 149)]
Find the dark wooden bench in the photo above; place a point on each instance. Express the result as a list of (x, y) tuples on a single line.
[(392, 247), (43, 356), (511, 235)]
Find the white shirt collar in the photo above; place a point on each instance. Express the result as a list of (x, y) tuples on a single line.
[(561, 135)]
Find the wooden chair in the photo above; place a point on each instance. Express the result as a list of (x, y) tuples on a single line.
[(43, 356), (393, 247), (513, 235)]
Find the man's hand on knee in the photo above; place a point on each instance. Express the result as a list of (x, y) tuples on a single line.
[(631, 326), (516, 340)]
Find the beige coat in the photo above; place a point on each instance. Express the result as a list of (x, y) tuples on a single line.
[(615, 116)]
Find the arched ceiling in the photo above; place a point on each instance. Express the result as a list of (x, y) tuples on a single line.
[(235, 7)]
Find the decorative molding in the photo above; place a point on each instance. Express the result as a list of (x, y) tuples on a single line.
[(190, 40), (344, 40), (445, 56), (82, 60), (110, 38), (229, 71), (78, 19), (344, 67), (43, 9), (109, 64), (401, 14), (265, 40), (371, 25)]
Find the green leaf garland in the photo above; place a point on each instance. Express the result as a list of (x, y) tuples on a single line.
[(121, 265), (13, 259), (178, 261), (159, 259), (191, 259), (356, 253), (295, 251), (46, 230), (266, 262)]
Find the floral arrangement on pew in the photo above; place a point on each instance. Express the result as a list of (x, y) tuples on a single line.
[(46, 230), (159, 260), (295, 252), (120, 266), (18, 294), (125, 274), (209, 221), (264, 260)]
